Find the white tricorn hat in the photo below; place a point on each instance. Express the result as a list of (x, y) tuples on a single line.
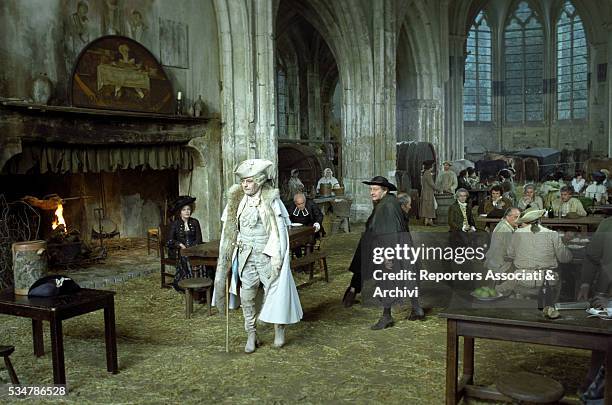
[(251, 167), (530, 216)]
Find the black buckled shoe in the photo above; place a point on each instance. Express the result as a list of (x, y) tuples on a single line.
[(384, 322), (416, 314), (349, 298)]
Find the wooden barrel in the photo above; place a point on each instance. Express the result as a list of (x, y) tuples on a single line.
[(339, 191), (29, 264), (444, 201), (325, 190)]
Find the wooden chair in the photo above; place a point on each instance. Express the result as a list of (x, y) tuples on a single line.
[(152, 239), (164, 260), (342, 214), (6, 351)]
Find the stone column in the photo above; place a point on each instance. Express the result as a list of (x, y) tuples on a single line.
[(203, 182), (609, 127), (453, 88), (425, 119), (315, 109), (247, 73)]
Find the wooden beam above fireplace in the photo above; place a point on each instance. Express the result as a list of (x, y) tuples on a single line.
[(73, 125)]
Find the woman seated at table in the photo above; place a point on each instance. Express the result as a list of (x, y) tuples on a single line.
[(578, 182), (184, 232), (597, 189), (530, 200), (473, 177)]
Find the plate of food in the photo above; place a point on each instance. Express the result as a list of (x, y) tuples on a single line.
[(486, 294)]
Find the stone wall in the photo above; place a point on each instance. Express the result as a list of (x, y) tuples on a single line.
[(41, 36)]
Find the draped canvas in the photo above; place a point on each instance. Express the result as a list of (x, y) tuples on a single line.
[(88, 159)]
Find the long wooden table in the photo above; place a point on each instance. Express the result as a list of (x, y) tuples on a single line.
[(583, 223), (55, 310), (572, 330), (207, 253)]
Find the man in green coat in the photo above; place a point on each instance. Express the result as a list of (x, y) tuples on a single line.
[(460, 219)]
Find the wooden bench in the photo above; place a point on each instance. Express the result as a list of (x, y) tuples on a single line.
[(309, 260)]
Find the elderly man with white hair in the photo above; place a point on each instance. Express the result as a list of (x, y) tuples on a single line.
[(255, 245), (501, 236)]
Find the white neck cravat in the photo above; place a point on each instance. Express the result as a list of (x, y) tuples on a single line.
[(297, 212)]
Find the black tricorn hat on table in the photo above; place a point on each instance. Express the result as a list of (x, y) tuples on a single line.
[(380, 181), (52, 286), (180, 202)]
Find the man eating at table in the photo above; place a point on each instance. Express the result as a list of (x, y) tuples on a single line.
[(568, 206), (496, 205), (307, 213), (536, 251), (500, 239)]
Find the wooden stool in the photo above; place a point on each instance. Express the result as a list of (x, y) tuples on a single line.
[(523, 387), (309, 259), (193, 284), (152, 236), (6, 351)]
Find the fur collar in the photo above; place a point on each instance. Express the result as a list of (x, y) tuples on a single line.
[(235, 196), (229, 234)]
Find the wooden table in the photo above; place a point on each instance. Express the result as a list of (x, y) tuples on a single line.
[(324, 203), (572, 330), (583, 223), (55, 310), (606, 209), (208, 253)]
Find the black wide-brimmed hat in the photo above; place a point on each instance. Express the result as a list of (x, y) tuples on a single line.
[(180, 202), (380, 181), (51, 286)]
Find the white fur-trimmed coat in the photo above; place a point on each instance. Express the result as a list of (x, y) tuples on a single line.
[(282, 304)]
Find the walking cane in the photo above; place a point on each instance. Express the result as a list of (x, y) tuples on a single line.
[(227, 316)]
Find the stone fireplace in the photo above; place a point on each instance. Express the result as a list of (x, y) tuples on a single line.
[(118, 165)]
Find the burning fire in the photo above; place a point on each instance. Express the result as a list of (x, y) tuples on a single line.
[(59, 217)]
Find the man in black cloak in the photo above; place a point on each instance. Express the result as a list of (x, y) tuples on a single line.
[(385, 225)]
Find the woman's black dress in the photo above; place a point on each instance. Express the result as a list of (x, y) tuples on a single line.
[(190, 237)]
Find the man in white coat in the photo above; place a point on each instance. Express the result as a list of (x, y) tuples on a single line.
[(255, 245)]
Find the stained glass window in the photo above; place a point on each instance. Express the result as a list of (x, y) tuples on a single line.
[(572, 65), (524, 70), (282, 108), (477, 86)]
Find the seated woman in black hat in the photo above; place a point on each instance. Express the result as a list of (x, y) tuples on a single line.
[(184, 232)]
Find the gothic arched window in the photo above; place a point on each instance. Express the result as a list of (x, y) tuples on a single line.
[(524, 66), (572, 66), (282, 101), (477, 89)]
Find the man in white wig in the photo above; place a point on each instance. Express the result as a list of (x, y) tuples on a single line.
[(255, 245)]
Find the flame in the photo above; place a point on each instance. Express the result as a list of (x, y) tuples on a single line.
[(59, 217)]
